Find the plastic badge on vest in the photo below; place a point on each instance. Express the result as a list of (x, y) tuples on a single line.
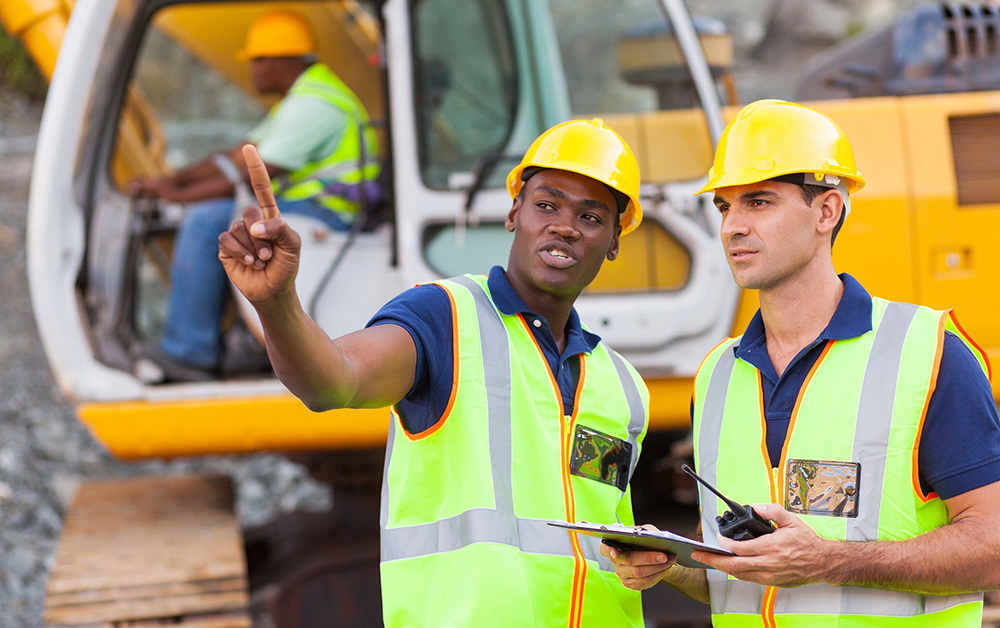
[(600, 457), (822, 487)]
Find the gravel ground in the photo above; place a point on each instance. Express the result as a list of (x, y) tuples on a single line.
[(44, 452)]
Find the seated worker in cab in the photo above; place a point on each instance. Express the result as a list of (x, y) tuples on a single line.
[(311, 144)]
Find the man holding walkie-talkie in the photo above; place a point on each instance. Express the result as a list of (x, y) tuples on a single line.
[(865, 428)]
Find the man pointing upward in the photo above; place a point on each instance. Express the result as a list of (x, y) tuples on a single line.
[(493, 382)]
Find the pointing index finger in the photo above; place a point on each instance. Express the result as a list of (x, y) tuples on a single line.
[(260, 182)]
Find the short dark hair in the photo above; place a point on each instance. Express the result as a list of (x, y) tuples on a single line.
[(809, 193)]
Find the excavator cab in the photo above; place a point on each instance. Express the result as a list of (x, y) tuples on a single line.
[(456, 92)]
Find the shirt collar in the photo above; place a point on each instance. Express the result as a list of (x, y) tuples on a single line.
[(578, 339), (852, 318)]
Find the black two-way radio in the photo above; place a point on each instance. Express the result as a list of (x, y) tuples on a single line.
[(739, 523)]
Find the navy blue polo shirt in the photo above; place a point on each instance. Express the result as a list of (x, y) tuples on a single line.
[(960, 441), (425, 312)]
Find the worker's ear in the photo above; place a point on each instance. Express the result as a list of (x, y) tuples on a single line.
[(613, 249), (831, 206), (512, 214)]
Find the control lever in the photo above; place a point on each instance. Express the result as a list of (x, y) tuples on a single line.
[(739, 523)]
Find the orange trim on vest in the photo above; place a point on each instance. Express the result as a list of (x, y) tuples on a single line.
[(767, 607), (915, 456), (763, 424), (548, 369), (972, 341), (798, 404), (454, 375)]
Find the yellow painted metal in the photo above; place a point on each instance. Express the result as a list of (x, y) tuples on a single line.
[(649, 259), (660, 52), (40, 25), (954, 260), (678, 145), (192, 427), (196, 427), (670, 403), (876, 242), (669, 145), (348, 40)]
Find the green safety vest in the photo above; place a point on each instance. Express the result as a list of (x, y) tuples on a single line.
[(466, 504), (346, 164), (863, 402)]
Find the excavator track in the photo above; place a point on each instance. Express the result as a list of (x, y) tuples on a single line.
[(150, 552)]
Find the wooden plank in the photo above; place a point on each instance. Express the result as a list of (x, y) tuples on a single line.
[(168, 589), (131, 609), (221, 620), (155, 550)]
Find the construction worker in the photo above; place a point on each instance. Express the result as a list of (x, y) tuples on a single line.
[(493, 383), (317, 145), (864, 429)]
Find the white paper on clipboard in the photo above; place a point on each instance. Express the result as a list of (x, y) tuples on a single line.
[(628, 538)]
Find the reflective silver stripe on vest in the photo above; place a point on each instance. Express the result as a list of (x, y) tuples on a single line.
[(496, 372), (871, 436), (827, 600), (481, 525), (383, 511), (871, 439), (637, 413), (709, 436)]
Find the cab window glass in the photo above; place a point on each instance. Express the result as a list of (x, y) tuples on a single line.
[(186, 107), (451, 250), (465, 83), (589, 42)]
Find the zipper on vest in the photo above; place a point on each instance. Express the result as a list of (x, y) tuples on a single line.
[(566, 422), (770, 593), (777, 479), (579, 562)]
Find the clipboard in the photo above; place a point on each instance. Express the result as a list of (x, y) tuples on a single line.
[(628, 538)]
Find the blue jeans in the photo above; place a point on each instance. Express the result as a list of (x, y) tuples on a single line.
[(198, 282)]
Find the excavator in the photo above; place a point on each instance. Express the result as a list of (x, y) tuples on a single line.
[(456, 90)]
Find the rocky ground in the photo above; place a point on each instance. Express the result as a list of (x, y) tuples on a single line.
[(44, 451)]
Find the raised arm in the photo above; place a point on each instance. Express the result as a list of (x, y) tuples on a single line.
[(367, 368)]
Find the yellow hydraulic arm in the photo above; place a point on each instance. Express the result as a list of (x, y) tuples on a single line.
[(40, 26)]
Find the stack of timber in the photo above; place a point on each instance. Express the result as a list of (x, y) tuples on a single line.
[(150, 552)]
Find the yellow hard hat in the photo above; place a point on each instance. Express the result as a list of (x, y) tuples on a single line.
[(771, 138), (277, 34), (589, 148)]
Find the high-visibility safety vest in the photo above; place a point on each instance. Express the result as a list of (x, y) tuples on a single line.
[(350, 164), (466, 504), (863, 402)]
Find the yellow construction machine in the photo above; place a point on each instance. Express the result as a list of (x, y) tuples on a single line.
[(456, 90)]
